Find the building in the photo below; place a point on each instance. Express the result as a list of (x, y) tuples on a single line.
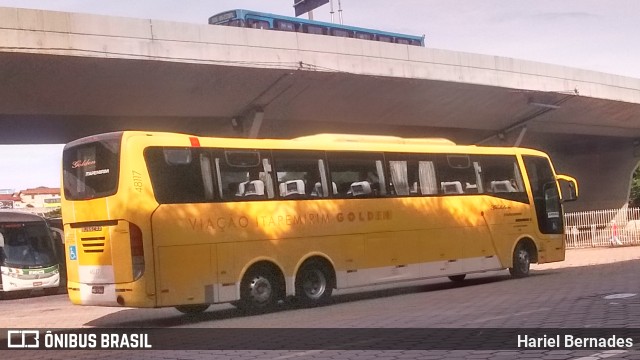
[(7, 201), (40, 198)]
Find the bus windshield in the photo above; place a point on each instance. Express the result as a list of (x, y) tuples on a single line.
[(27, 245), (91, 167)]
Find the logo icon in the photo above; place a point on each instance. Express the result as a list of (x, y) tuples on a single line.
[(23, 339)]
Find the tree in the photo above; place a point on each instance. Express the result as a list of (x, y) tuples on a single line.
[(634, 196), (55, 213)]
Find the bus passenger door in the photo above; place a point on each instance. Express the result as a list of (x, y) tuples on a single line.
[(548, 209)]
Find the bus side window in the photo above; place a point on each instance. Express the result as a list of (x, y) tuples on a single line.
[(177, 175), (364, 36), (314, 29), (413, 176), (341, 33), (258, 24), (456, 174), (384, 38), (236, 23), (244, 175), (297, 173), (284, 25), (357, 174), (501, 177)]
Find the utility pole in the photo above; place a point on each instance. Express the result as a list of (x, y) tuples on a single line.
[(339, 11), (331, 11)]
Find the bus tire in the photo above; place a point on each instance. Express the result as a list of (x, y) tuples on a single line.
[(521, 261), (457, 278), (192, 309), (259, 290), (314, 284)]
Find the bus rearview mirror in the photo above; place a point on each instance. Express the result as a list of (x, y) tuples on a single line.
[(571, 187)]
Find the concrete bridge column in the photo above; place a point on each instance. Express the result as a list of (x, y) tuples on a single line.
[(603, 166)]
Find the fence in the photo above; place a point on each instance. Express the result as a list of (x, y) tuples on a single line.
[(615, 227)]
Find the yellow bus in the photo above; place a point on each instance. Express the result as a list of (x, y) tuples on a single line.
[(175, 220)]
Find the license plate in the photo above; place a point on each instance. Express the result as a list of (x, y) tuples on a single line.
[(37, 283), (97, 289)]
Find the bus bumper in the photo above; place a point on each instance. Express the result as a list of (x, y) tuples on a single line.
[(10, 283), (117, 295)]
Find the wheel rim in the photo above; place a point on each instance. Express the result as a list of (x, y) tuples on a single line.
[(260, 291), (314, 284), (523, 260)]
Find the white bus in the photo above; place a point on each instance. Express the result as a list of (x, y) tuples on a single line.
[(28, 255)]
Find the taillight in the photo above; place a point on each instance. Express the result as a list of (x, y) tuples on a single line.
[(137, 251)]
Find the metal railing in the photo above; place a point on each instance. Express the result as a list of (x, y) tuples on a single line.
[(614, 227)]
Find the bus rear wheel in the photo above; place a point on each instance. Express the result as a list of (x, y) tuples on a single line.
[(192, 309), (521, 261), (258, 290), (313, 284)]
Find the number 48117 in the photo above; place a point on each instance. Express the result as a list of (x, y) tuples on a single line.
[(137, 181)]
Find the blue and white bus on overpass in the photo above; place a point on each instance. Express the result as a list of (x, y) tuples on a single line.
[(260, 20)]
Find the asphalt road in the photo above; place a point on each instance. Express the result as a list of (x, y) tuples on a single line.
[(579, 297)]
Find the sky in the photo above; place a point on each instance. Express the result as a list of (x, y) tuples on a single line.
[(589, 34)]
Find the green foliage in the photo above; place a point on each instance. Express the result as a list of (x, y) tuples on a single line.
[(56, 213), (634, 197)]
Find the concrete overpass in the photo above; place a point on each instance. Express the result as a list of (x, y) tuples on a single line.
[(69, 75)]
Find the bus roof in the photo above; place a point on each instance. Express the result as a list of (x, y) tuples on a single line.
[(18, 216), (244, 12), (333, 142), (383, 139)]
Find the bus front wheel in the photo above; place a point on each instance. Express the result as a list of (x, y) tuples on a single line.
[(192, 309), (313, 284), (521, 261)]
